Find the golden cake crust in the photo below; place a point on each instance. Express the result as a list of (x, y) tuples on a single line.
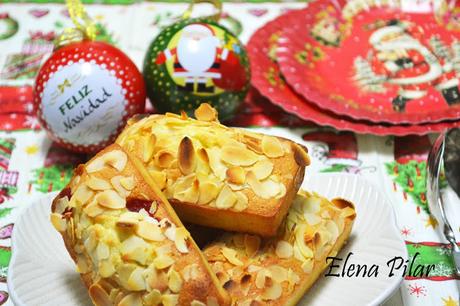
[(129, 246), (217, 176)]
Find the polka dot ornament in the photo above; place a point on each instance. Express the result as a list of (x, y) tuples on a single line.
[(84, 94)]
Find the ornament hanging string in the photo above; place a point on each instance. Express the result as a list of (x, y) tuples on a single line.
[(214, 17), (84, 27)]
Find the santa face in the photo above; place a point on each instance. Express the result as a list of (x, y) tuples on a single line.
[(197, 48)]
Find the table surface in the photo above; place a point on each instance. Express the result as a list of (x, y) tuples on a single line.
[(31, 165)]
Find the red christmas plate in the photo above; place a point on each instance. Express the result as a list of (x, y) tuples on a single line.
[(373, 60), (267, 78)]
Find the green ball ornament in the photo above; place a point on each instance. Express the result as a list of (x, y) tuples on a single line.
[(196, 61)]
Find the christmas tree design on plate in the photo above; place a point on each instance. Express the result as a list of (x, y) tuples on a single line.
[(408, 170), (8, 179), (56, 171)]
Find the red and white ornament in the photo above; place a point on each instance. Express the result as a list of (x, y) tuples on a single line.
[(84, 94)]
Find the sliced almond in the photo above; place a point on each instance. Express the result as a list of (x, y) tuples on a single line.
[(272, 147), (110, 199), (159, 178), (236, 175), (300, 242), (186, 156), (163, 261), (189, 195), (102, 251), (116, 159), (252, 143), (261, 278), (152, 298), (83, 266), (170, 299), (273, 292), (181, 239), (190, 272), (300, 155), (208, 191), (278, 273), (148, 147), (241, 202), (238, 156), (59, 224), (252, 244), (106, 268), (307, 266), (116, 184), (93, 209), (230, 255), (156, 280), (174, 281), (333, 229), (96, 183), (133, 299), (132, 246), (99, 296), (128, 182), (197, 303), (203, 155), (262, 169), (284, 249), (215, 162), (149, 231), (128, 220), (164, 158), (312, 219), (226, 198), (206, 112), (82, 194), (312, 205), (265, 189)]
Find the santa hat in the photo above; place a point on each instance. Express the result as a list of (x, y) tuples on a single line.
[(413, 147), (343, 148)]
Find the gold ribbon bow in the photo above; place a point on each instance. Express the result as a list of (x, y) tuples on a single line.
[(216, 3), (84, 27), (62, 86)]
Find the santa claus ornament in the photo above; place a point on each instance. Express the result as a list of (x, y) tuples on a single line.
[(86, 90), (196, 61)]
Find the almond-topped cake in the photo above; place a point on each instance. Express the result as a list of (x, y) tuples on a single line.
[(278, 271), (130, 247), (218, 176)]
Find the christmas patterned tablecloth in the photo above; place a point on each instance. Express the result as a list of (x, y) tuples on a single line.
[(30, 165)]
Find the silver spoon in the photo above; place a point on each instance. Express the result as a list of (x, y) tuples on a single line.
[(445, 149)]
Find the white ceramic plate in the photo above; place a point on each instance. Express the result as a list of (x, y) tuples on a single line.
[(42, 273)]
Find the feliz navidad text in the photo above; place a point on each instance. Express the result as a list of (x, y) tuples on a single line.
[(86, 109), (395, 266)]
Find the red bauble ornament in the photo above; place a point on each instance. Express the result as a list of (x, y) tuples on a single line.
[(84, 94)]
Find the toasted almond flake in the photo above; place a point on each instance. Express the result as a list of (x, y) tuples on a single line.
[(181, 239), (253, 268), (190, 272), (238, 156), (215, 162), (197, 303), (128, 183), (206, 112), (106, 268), (153, 208), (61, 205), (90, 242), (148, 147), (163, 261), (110, 199), (82, 264), (226, 198), (159, 178), (149, 231), (252, 244), (300, 155), (170, 299), (272, 147), (174, 281), (83, 194), (190, 194), (265, 189), (262, 169), (236, 175), (252, 143), (153, 297), (208, 191), (241, 202), (278, 273), (321, 238), (332, 228), (203, 155), (307, 266), (59, 224), (99, 296), (230, 255), (116, 184), (102, 251), (284, 249), (186, 156), (312, 205), (156, 279), (116, 159), (261, 278), (128, 220), (312, 219), (164, 158), (273, 292), (133, 299), (300, 242), (133, 245), (93, 209), (96, 183)]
